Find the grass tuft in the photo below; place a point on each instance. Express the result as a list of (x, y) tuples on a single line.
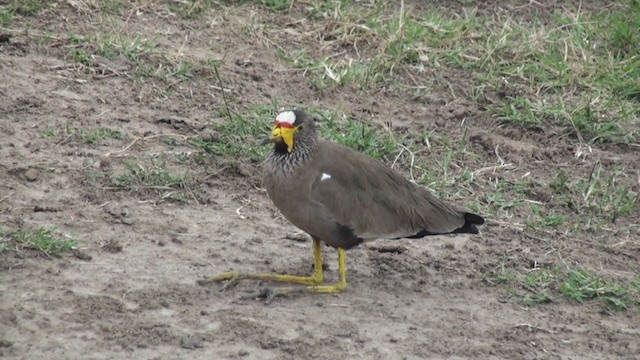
[(42, 239), (546, 285), (155, 175), (23, 7)]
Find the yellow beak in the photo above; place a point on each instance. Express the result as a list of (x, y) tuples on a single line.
[(281, 134)]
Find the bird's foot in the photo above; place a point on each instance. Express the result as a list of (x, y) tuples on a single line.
[(268, 293), (233, 278)]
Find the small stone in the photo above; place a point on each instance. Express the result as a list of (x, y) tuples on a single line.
[(161, 243), (243, 170), (5, 343), (190, 343), (127, 221), (82, 255), (209, 135), (243, 353), (176, 240), (104, 164), (112, 245), (31, 175)]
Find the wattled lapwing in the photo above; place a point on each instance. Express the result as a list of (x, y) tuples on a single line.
[(343, 198)]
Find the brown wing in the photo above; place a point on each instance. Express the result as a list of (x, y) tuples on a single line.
[(376, 201)]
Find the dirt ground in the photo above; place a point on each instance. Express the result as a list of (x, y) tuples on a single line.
[(129, 291)]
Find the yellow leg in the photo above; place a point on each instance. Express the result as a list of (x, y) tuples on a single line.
[(270, 293), (341, 284), (316, 278)]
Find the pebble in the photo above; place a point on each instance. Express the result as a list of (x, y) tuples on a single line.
[(209, 135), (127, 221), (31, 175), (190, 343)]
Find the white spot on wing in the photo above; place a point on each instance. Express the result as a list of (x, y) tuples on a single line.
[(286, 117), (325, 176)]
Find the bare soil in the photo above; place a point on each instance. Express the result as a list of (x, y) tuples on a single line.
[(130, 290)]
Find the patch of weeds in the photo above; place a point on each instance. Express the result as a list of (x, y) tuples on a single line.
[(496, 203), (560, 184), (357, 135), (582, 285), (240, 133), (577, 71), (182, 70), (529, 298), (326, 73), (518, 110), (277, 5), (95, 135), (545, 285), (145, 61), (110, 6), (80, 56), (602, 194), (388, 41), (24, 7), (539, 219), (152, 176), (6, 16), (189, 9), (51, 132), (42, 239), (577, 66), (134, 48)]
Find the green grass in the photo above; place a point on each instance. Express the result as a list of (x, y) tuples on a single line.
[(47, 240), (547, 285), (599, 198), (189, 9), (23, 7), (95, 135), (277, 5), (154, 175), (240, 133), (6, 16), (144, 58), (579, 71)]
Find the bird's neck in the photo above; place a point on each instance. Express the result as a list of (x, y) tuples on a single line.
[(291, 161)]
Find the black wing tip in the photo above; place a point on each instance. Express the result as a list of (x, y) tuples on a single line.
[(473, 219), (469, 227)]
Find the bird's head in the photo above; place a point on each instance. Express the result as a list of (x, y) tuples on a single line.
[(289, 128)]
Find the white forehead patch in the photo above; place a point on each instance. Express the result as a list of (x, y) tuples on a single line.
[(286, 117), (325, 176)]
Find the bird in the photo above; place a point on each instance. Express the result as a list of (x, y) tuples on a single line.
[(343, 198)]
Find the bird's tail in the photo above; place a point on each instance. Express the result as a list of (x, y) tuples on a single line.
[(470, 222)]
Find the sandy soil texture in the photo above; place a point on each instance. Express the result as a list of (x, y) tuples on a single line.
[(105, 155)]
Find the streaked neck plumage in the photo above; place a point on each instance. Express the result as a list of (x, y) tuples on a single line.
[(280, 160)]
